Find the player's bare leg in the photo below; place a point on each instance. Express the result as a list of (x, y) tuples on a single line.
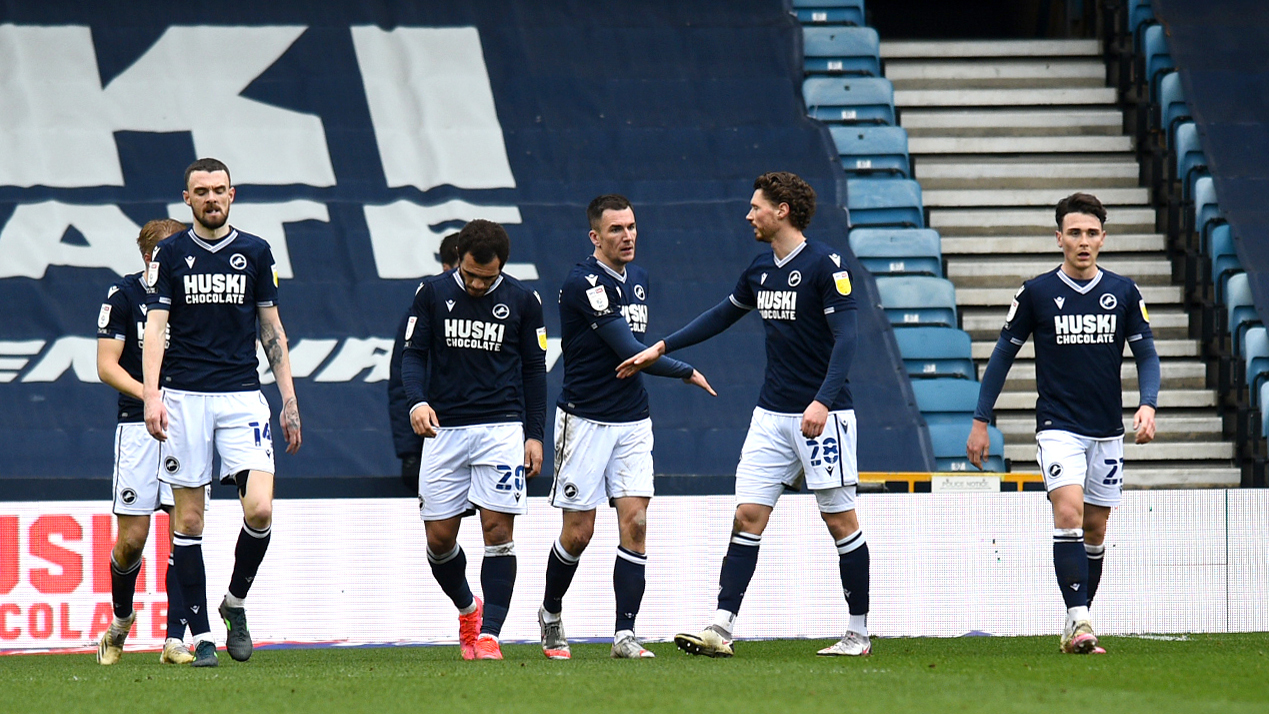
[(255, 493), (561, 565), (853, 564), (125, 565), (497, 579), (628, 575), (187, 557), (738, 568), (1070, 562), (449, 567)]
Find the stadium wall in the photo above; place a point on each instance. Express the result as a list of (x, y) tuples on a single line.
[(353, 571), (358, 135)]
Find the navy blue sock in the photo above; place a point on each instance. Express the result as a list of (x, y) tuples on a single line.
[(852, 561), (628, 584), (248, 554), (123, 586), (497, 581), (175, 603), (450, 571), (737, 571), (1071, 565), (1095, 554), (187, 557), (560, 569)]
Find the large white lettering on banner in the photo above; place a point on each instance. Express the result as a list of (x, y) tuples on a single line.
[(355, 571)]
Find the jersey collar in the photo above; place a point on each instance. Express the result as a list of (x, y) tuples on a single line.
[(792, 254), (1081, 289), (459, 279), (616, 276), (213, 247)]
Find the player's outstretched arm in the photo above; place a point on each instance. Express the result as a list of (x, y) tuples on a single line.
[(152, 348), (699, 380), (273, 340), (109, 350), (641, 361)]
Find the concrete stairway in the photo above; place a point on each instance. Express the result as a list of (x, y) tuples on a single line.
[(1000, 131)]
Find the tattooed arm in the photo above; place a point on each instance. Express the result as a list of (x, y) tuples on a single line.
[(273, 340)]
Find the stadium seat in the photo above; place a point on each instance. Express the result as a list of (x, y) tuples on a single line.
[(898, 251), (1140, 17), (1191, 162), (1173, 109), (1207, 212), (849, 100), (1255, 354), (918, 300), (1158, 59), (870, 150), (948, 440), (884, 202), (934, 352), (1239, 306), (943, 401), (1224, 259), (829, 12), (841, 50)]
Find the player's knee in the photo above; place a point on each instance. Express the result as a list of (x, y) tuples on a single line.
[(497, 532), (258, 515), (190, 523), (577, 536), (635, 527), (128, 548)]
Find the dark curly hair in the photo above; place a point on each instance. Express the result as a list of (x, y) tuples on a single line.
[(484, 240), (1081, 203), (784, 187)]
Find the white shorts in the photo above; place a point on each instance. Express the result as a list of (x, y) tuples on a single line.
[(480, 465), (1097, 465), (137, 491), (776, 455), (595, 461), (235, 423)]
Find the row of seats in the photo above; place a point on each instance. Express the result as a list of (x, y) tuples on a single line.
[(845, 89)]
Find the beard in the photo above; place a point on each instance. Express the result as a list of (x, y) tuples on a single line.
[(212, 222)]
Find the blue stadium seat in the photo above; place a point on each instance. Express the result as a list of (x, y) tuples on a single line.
[(869, 150), (1239, 306), (933, 352), (849, 100), (884, 202), (898, 251), (1140, 17), (1224, 259), (841, 50), (1158, 59), (1207, 212), (918, 300), (948, 440), (1255, 354), (1172, 106), (1191, 162), (829, 12)]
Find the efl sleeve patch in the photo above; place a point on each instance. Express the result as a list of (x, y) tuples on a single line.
[(842, 280), (103, 317), (274, 269), (152, 273), (598, 298), (409, 327), (1145, 314), (542, 338)]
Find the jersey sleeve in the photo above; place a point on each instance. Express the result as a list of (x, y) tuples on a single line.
[(112, 321), (1020, 321), (158, 279), (599, 304), (1136, 317), (533, 367), (742, 295), (417, 340), (834, 287), (266, 278)]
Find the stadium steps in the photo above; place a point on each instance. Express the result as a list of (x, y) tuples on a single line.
[(999, 131)]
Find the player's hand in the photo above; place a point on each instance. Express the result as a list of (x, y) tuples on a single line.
[(532, 458), (632, 366), (423, 420), (156, 416), (979, 443), (699, 380), (814, 419), (1143, 424), (291, 425)]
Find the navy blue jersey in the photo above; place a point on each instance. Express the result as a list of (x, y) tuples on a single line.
[(486, 356), (122, 317), (593, 295), (793, 296), (1079, 333), (212, 291)]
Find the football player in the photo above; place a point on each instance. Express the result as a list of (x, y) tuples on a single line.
[(803, 428), (1080, 316)]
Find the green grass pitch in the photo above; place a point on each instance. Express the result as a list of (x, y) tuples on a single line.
[(1202, 673)]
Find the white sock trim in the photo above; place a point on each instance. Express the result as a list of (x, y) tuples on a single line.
[(562, 553), (500, 550)]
